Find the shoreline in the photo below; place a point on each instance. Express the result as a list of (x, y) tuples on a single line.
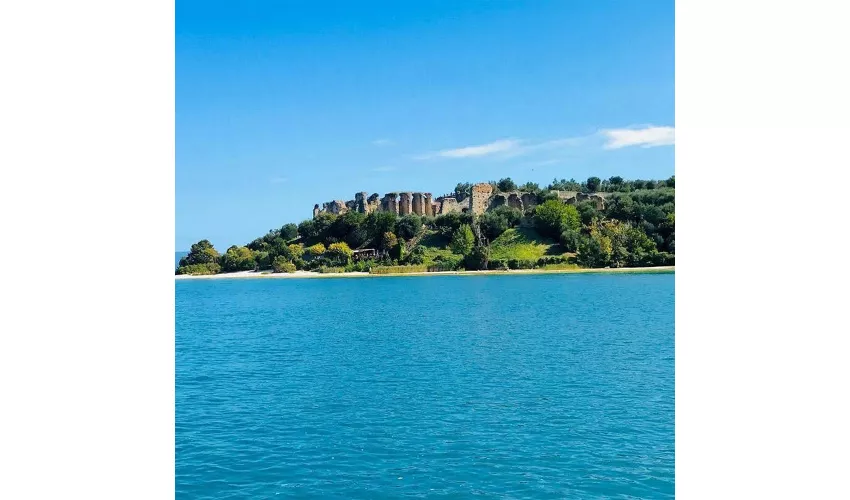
[(513, 272)]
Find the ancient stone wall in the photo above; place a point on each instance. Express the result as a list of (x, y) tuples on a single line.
[(449, 205), (529, 200), (499, 200), (480, 199), (405, 205), (514, 201)]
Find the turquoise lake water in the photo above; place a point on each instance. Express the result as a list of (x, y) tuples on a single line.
[(535, 386)]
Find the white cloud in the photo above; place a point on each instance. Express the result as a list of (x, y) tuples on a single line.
[(382, 142), (646, 137), (383, 169), (502, 146), (278, 180)]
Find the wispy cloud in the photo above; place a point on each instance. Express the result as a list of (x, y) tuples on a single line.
[(382, 142), (278, 180), (383, 169), (645, 137), (501, 146)]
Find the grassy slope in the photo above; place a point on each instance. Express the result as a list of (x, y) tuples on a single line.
[(519, 243), (434, 245), (523, 243)]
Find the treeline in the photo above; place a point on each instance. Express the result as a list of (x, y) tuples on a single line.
[(636, 228), (614, 184)]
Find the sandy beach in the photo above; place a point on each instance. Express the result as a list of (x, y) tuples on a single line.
[(312, 274)]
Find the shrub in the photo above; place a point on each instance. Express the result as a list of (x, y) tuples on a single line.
[(339, 253), (331, 270), (316, 250), (522, 264), (416, 256), (498, 264), (499, 220), (477, 259), (200, 269), (281, 265), (296, 251), (446, 263), (360, 266), (570, 240), (552, 259), (398, 269)]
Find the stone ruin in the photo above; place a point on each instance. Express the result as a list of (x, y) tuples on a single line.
[(481, 199)]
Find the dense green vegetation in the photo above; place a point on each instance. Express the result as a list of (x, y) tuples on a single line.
[(636, 229)]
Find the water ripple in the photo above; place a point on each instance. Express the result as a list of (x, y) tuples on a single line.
[(496, 387)]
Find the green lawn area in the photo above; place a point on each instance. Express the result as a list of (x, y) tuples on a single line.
[(523, 243)]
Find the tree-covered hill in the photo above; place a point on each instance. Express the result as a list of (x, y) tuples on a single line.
[(635, 229)]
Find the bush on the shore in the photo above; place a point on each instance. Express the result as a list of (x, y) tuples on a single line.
[(498, 264), (361, 266), (522, 264), (331, 269), (200, 269), (477, 259), (282, 265), (398, 269)]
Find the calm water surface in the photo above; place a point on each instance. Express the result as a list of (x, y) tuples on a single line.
[(547, 386)]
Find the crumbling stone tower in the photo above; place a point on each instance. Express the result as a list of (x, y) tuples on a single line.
[(429, 205), (480, 198)]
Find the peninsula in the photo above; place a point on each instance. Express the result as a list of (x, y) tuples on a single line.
[(567, 226)]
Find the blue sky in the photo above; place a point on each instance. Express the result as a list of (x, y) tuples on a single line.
[(283, 104)]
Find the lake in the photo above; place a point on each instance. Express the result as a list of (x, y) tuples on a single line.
[(529, 386)]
